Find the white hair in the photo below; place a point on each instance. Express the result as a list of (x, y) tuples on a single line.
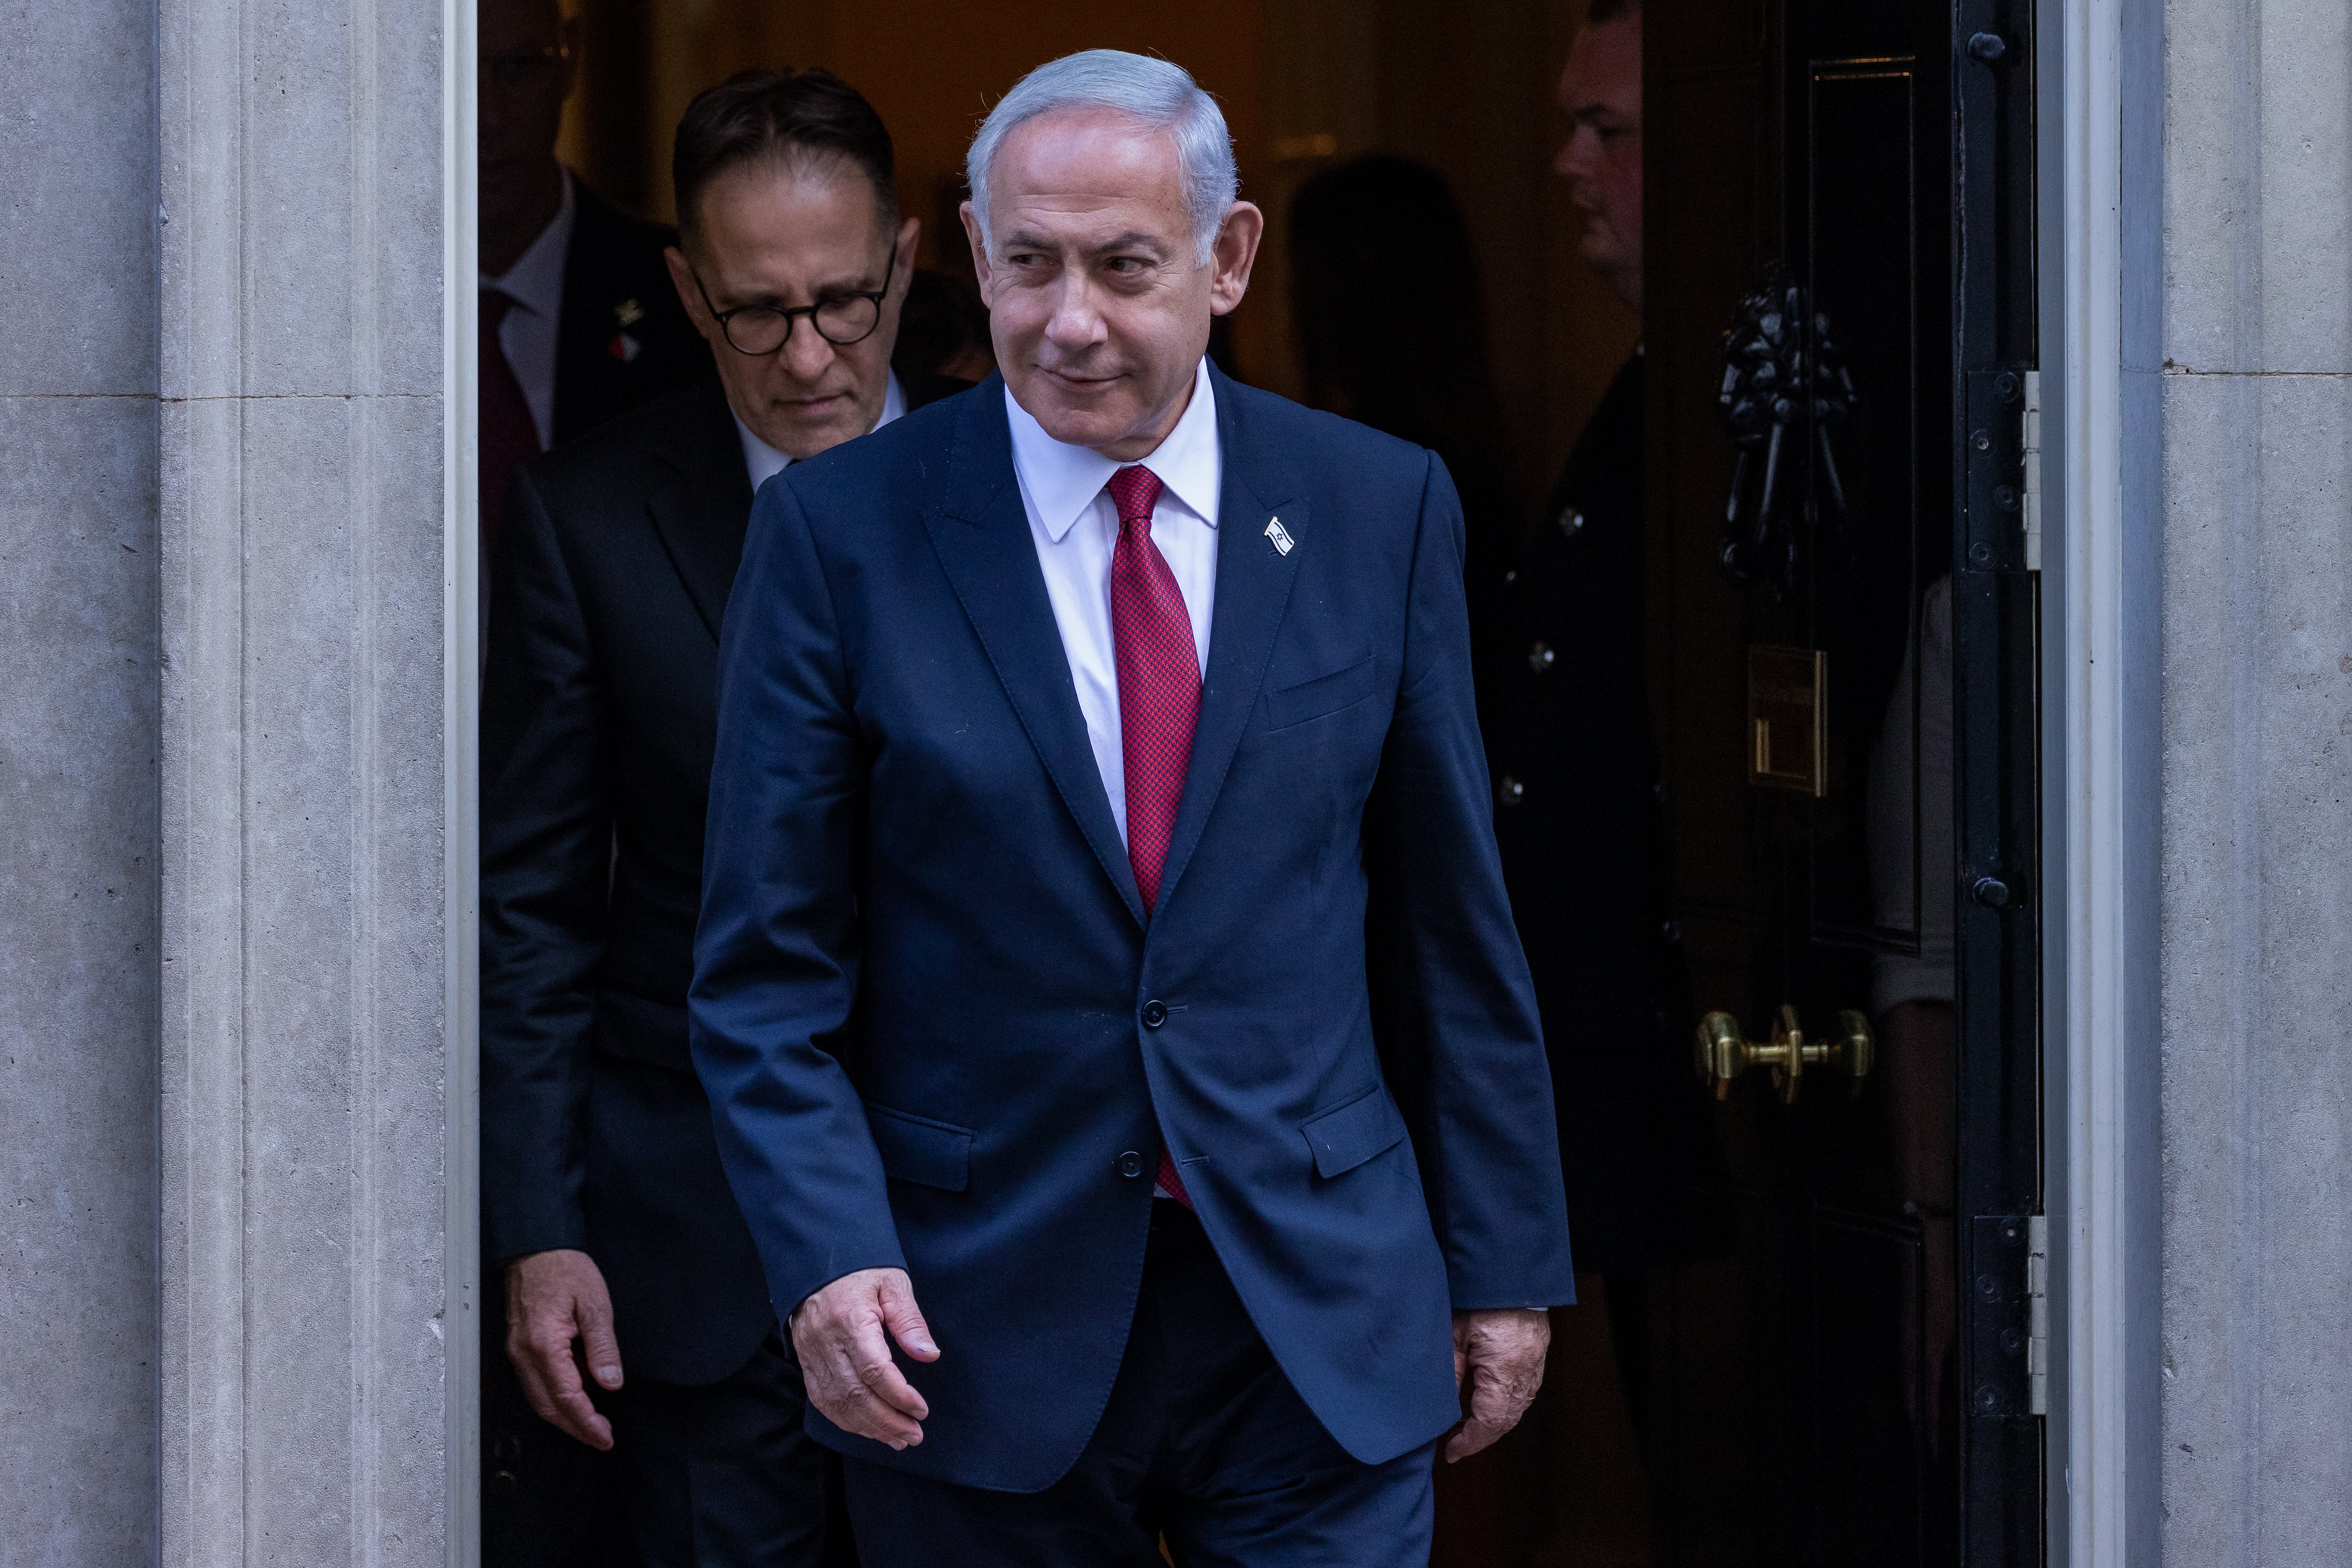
[(1159, 93)]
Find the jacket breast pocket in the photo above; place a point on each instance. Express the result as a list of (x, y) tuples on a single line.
[(918, 1149), (1347, 1135), (1320, 696)]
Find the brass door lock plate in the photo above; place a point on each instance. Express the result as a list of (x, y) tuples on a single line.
[(1787, 719)]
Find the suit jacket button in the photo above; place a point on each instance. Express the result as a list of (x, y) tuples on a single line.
[(1155, 1012), (1130, 1165)]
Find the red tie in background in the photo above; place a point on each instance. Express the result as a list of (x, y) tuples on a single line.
[(1159, 698), (510, 437)]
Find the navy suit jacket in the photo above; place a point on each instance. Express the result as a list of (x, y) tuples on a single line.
[(937, 1031)]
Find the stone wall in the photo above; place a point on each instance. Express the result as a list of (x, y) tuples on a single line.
[(78, 783), (228, 1332), (306, 1338), (2255, 372)]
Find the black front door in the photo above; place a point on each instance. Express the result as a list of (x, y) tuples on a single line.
[(1839, 308)]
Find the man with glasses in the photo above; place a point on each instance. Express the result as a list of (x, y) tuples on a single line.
[(579, 323), (637, 1318)]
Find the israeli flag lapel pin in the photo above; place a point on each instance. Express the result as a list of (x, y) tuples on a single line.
[(1280, 535)]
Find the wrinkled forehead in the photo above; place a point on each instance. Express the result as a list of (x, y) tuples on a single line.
[(813, 213), (1077, 171), (1604, 67), (794, 177)]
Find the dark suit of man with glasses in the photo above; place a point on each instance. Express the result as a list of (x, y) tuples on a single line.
[(637, 1318)]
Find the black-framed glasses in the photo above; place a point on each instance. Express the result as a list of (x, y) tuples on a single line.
[(843, 319), (523, 68)]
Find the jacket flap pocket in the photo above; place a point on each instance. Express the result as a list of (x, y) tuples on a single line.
[(915, 1149), (1324, 694), (1345, 1138)]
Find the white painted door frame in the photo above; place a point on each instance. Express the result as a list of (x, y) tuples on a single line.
[(2100, 117), (461, 689)]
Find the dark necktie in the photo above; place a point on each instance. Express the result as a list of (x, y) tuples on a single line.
[(1159, 698), (510, 437)]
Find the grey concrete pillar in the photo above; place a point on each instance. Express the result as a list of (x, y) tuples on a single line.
[(306, 1340), (2256, 388), (78, 783)]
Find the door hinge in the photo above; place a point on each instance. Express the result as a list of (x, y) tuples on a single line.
[(2032, 455), (2008, 1316), (2037, 1298)]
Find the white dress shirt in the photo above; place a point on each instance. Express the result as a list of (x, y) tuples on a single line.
[(1074, 525), (528, 334), (763, 462)]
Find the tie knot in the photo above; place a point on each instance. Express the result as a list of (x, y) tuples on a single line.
[(1135, 490)]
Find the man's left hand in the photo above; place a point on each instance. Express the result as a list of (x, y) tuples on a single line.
[(1500, 1354)]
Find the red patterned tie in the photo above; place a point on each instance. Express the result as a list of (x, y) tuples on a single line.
[(1159, 698), (510, 437)]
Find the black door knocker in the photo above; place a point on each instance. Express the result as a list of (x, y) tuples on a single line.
[(1783, 369)]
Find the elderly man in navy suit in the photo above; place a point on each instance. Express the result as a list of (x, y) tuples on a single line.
[(1105, 987)]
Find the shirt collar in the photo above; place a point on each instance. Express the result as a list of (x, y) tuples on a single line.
[(1062, 480), (535, 282), (763, 462)]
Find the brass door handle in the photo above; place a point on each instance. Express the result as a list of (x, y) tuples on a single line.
[(1724, 1054)]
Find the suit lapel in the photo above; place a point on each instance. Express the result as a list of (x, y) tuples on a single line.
[(702, 512), (981, 532), (1254, 581)]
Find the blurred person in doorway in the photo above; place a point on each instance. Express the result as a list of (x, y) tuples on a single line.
[(578, 321), (1578, 810), (944, 331), (636, 1317), (578, 324), (1390, 317)]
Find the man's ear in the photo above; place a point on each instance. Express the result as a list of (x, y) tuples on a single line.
[(979, 243), (902, 275), (681, 278), (1234, 255)]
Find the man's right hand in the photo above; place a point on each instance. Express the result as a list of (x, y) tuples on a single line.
[(553, 1299), (838, 1334)]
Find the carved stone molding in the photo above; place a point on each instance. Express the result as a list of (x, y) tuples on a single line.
[(306, 1345)]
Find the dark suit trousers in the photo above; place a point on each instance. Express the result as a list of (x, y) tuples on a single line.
[(724, 1476), (548, 1500), (716, 1476), (1203, 1440)]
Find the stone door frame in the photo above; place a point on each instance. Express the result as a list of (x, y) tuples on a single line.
[(461, 663), (2101, 93)]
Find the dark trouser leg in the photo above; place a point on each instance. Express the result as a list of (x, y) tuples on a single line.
[(723, 1476), (1106, 1513), (1256, 1479), (1203, 1438), (1084, 1520), (548, 1500), (1627, 1292)]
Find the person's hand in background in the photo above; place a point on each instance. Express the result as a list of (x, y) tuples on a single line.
[(555, 1299)]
